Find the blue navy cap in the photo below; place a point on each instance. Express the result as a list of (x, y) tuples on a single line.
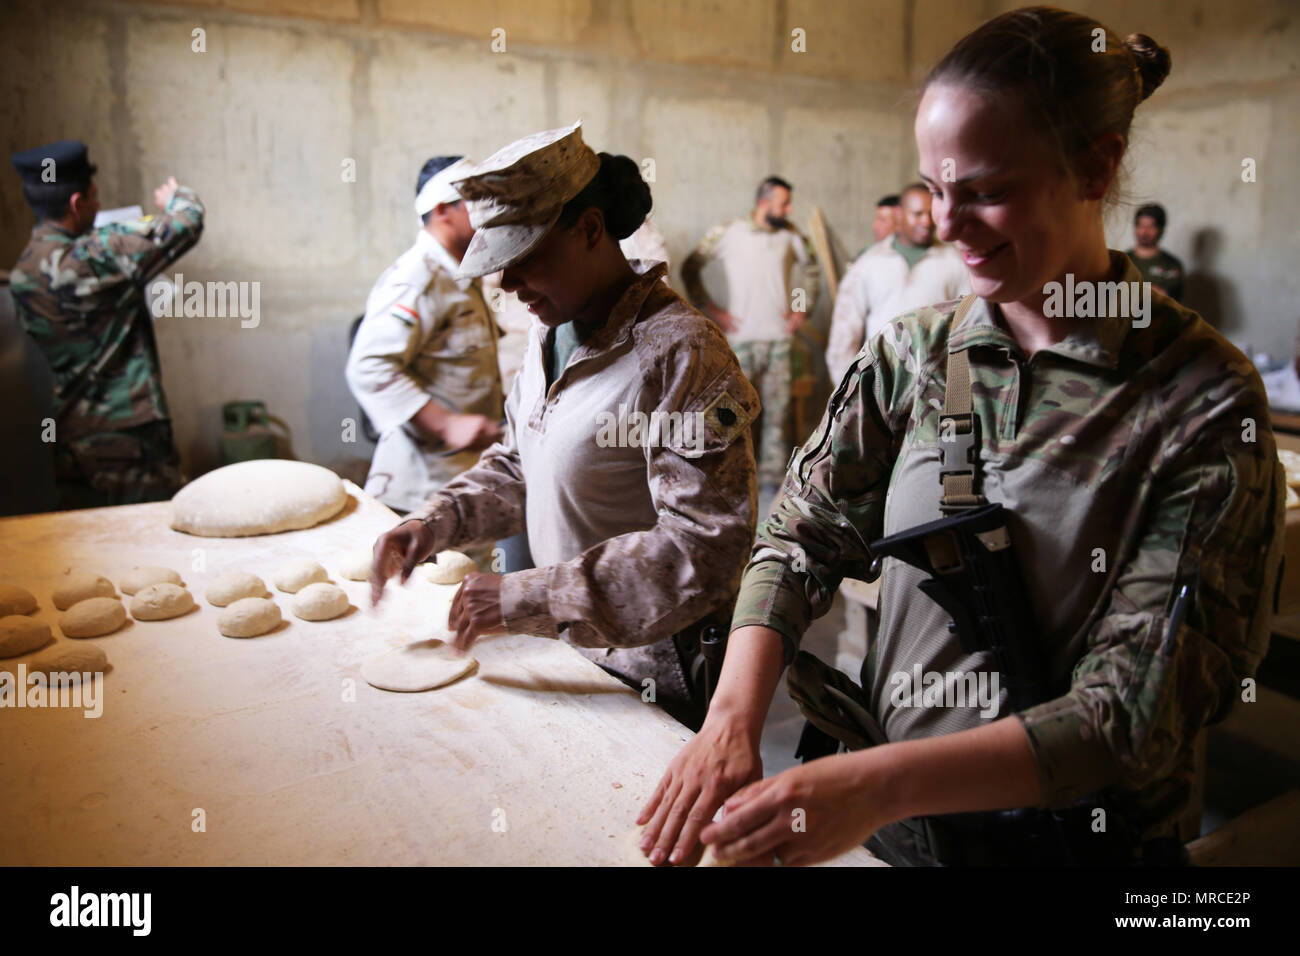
[(65, 161)]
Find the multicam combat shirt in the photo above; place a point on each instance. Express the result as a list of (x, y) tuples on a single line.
[(1131, 459), (82, 298)]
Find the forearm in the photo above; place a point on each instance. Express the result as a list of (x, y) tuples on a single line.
[(431, 418), (984, 768), (751, 672)]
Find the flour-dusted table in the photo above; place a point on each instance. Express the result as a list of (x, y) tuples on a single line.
[(274, 750)]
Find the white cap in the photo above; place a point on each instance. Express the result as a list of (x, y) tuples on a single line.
[(439, 188)]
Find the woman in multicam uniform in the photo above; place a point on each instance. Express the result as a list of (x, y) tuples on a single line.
[(1133, 453), (640, 534)]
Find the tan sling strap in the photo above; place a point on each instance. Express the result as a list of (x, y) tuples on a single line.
[(959, 432)]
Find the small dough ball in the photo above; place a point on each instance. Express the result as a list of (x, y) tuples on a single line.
[(68, 658), (78, 586), (232, 586), (249, 617), (161, 601), (93, 617), (138, 578), (296, 575), (20, 634), (451, 567), (15, 600), (320, 602), (355, 565)]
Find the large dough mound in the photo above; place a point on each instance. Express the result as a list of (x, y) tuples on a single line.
[(258, 497)]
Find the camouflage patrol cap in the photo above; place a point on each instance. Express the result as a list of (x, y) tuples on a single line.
[(514, 196), (64, 161)]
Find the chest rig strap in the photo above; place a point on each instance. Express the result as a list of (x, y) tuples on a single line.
[(959, 429)]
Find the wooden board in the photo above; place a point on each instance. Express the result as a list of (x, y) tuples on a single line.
[(822, 245), (541, 758)]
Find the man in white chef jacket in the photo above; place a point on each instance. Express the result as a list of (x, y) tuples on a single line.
[(423, 364)]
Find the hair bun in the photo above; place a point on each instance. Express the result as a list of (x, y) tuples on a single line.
[(629, 194), (1153, 62)]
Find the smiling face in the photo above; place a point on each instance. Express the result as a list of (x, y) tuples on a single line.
[(1017, 219), (556, 279), (915, 226)]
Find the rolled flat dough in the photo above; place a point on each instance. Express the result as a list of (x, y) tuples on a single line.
[(161, 602), (138, 578), (69, 657), (233, 585), (79, 585), (632, 855), (15, 600), (320, 602), (296, 575), (20, 634), (258, 497), (422, 665), (355, 565), (249, 617), (93, 617), (450, 567)]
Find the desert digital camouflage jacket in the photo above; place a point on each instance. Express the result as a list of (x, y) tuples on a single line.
[(634, 538), (1132, 460), (83, 300)]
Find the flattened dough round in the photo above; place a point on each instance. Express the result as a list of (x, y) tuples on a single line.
[(355, 565), (93, 617), (233, 585), (69, 657), (258, 497), (249, 617), (161, 601), (450, 567), (296, 575), (320, 602), (632, 855), (20, 634), (422, 665), (80, 585), (139, 578), (16, 600)]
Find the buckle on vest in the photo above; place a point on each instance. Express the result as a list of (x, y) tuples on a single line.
[(958, 452)]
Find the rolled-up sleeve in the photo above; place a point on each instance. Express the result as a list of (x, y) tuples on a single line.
[(639, 588), (830, 505), (1139, 695)]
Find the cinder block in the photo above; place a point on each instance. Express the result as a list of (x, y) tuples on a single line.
[(562, 22), (859, 42), (429, 99), (842, 160), (1209, 42), (709, 157), (724, 32), (259, 125), (56, 75)]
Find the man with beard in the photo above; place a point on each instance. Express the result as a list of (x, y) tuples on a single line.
[(766, 304)]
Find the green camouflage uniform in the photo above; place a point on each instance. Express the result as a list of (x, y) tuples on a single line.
[(1129, 462), (83, 300)]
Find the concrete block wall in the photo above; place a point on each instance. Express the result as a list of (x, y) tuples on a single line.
[(289, 91)]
